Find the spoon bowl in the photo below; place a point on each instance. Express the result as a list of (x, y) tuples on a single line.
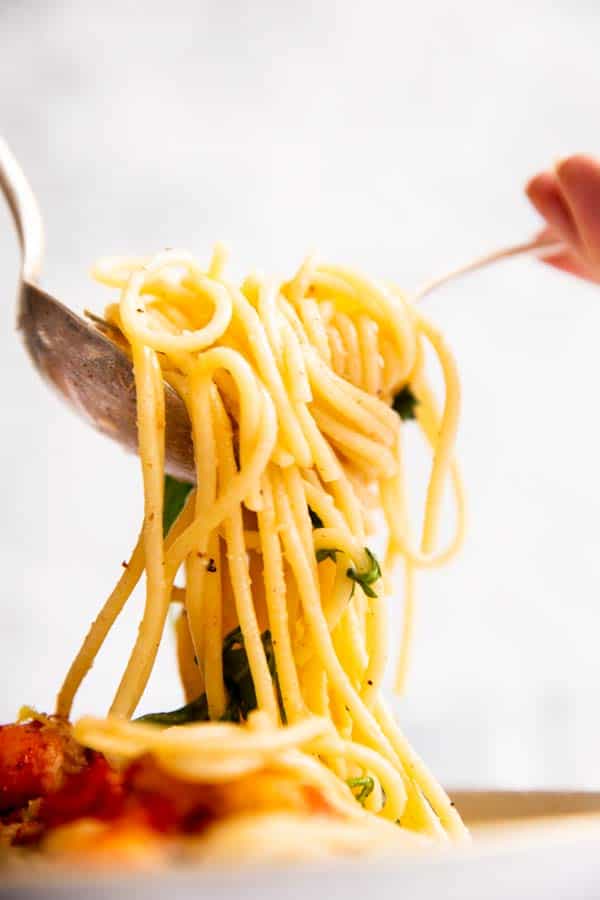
[(91, 372)]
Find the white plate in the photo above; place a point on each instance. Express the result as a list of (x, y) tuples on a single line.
[(540, 845)]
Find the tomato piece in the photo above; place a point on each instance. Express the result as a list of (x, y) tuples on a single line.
[(96, 791), (31, 762)]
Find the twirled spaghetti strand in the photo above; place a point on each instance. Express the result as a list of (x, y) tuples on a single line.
[(289, 388)]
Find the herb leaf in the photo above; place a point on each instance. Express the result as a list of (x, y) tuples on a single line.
[(315, 518), (195, 711), (366, 579), (366, 785), (405, 403), (239, 684), (236, 672), (325, 553), (175, 496)]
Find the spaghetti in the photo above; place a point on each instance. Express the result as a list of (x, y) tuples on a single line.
[(297, 393)]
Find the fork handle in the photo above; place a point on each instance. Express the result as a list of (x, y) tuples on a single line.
[(25, 212), (28, 222), (541, 245)]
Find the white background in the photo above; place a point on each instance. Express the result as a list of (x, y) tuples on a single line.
[(392, 136)]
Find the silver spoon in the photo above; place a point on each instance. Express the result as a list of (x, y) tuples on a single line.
[(89, 369), (91, 372)]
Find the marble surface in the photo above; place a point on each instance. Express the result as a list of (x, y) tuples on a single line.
[(391, 135)]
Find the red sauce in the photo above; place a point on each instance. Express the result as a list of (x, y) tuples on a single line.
[(31, 763), (33, 767), (96, 791)]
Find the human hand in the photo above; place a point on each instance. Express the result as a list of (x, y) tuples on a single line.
[(568, 198)]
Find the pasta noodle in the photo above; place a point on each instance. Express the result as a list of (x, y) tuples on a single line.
[(290, 388)]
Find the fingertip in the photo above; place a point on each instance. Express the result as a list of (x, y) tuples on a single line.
[(578, 177), (530, 186), (540, 186), (577, 168), (544, 193), (568, 262)]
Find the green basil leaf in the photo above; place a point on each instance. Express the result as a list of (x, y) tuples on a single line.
[(238, 682), (366, 785), (195, 711), (369, 577), (176, 493), (405, 403), (325, 553), (315, 518)]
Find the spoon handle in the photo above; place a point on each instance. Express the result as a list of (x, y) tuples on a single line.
[(542, 246), (25, 211)]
